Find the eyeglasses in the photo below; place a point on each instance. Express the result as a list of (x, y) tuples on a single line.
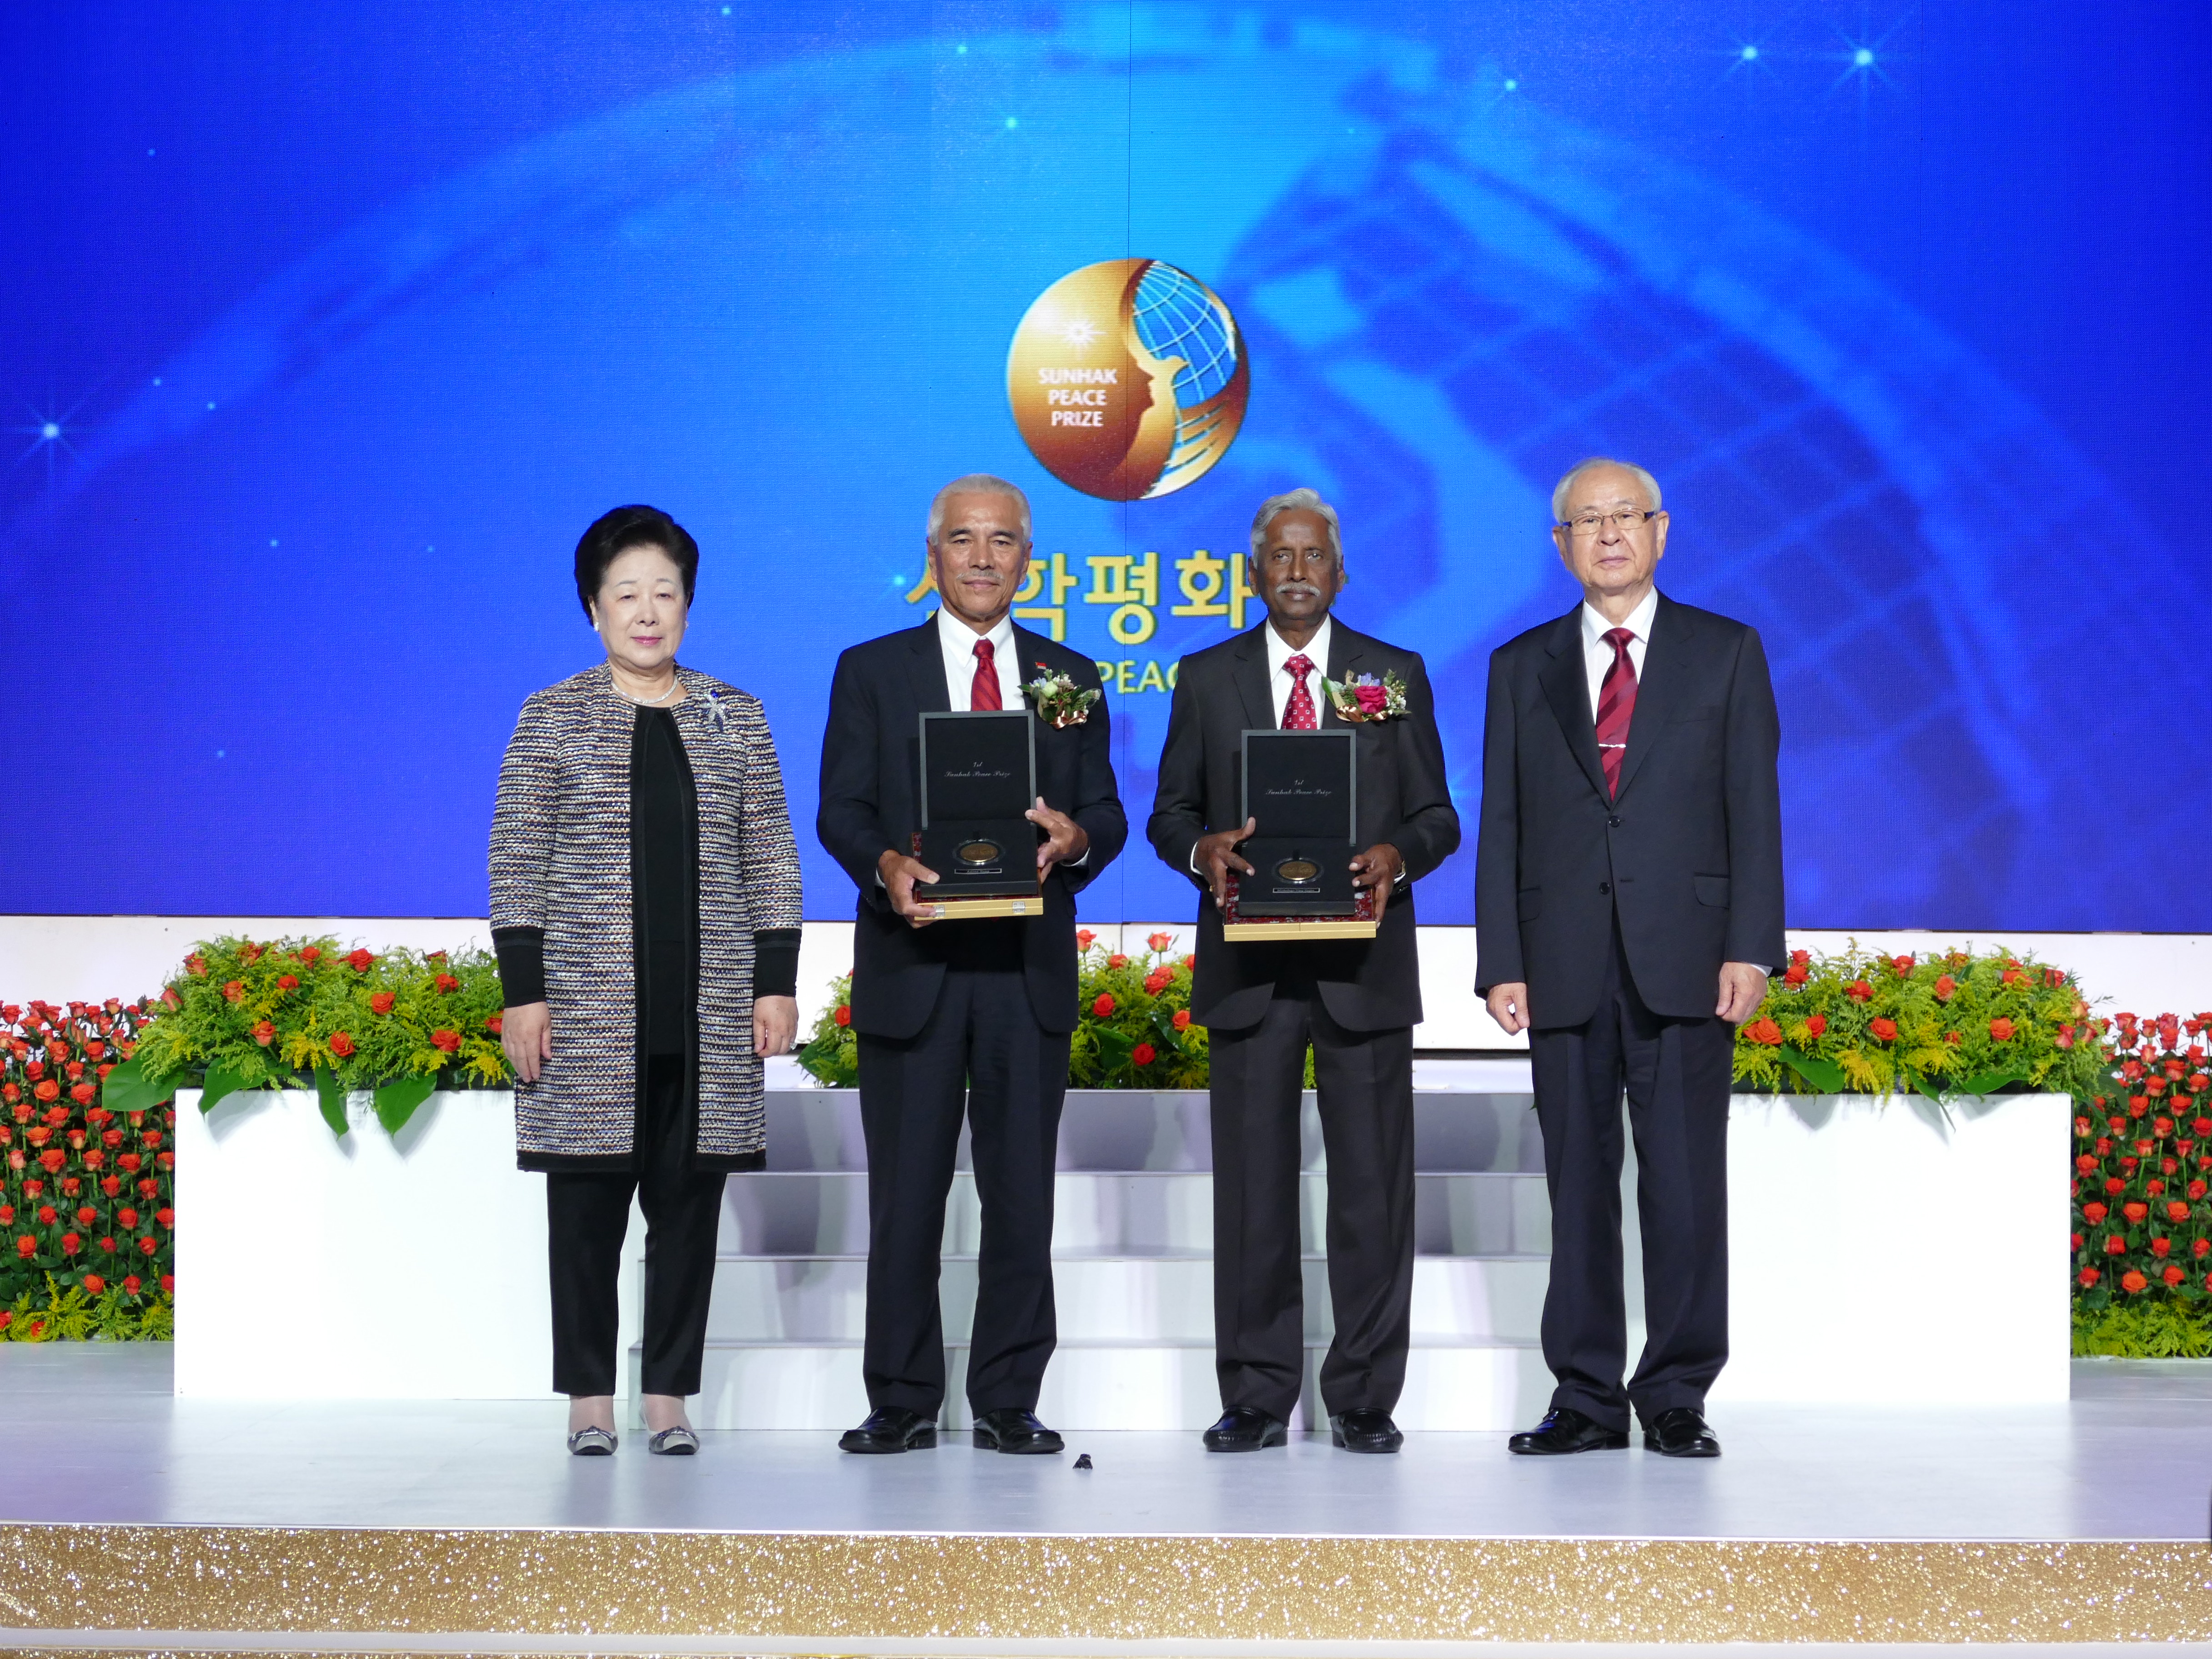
[(1590, 522)]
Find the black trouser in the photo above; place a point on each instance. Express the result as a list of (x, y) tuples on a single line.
[(586, 1216), (983, 1051), (1365, 1083), (1676, 1074)]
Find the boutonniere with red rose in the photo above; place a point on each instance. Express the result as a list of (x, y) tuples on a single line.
[(1362, 698), (1059, 699)]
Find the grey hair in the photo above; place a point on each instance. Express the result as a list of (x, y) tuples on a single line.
[(1297, 501), (975, 483), (1559, 490)]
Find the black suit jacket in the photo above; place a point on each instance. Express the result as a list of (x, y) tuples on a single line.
[(870, 801), (1690, 853), (1367, 985)]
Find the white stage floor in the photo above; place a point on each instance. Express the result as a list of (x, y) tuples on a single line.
[(97, 1437)]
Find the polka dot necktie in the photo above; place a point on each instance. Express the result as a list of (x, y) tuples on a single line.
[(985, 692), (1616, 706), (1298, 713)]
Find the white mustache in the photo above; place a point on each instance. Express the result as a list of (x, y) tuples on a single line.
[(1289, 589)]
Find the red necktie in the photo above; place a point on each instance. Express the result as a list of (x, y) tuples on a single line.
[(1616, 707), (985, 692), (1298, 713)]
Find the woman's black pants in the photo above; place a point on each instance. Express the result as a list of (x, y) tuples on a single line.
[(586, 1217)]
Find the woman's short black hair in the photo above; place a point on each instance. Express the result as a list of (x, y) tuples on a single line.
[(613, 534)]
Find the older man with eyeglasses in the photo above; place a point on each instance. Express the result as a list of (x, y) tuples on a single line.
[(1628, 906)]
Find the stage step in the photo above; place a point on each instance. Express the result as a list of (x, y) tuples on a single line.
[(1132, 1269)]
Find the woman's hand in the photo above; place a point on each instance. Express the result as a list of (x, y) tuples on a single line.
[(775, 1024), (526, 1034)]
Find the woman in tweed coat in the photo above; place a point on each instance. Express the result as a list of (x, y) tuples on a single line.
[(645, 908)]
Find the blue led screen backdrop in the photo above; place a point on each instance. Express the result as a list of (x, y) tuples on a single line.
[(326, 335)]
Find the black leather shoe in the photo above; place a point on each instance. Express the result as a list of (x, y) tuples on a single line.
[(890, 1429), (1566, 1430), (1680, 1432), (1010, 1429), (1365, 1429), (1246, 1428)]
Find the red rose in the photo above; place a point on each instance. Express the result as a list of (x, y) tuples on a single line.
[(1884, 1030), (1191, 961), (148, 1188), (196, 965), (126, 1218), (128, 1162), (1816, 1024), (146, 1246), (2090, 1276), (2086, 1165), (152, 1137), (2161, 1126), (108, 1245), (311, 954), (1902, 965), (26, 1246), (2009, 976), (47, 1089), (46, 1215), (1103, 1006), (95, 1285), (447, 1040), (2135, 1211), (2154, 1087), (2172, 1275), (264, 1033), (110, 1185), (86, 1215), (234, 992), (1143, 1053), (2065, 1039), (1085, 939), (1117, 960), (1157, 981), (130, 1284), (2197, 1191), (2202, 1247), (167, 1218), (2001, 1028), (2143, 1148), (85, 1093), (2133, 1282), (1371, 699), (1158, 942), (496, 1024), (169, 1284), (843, 1016), (1764, 1031), (446, 984), (286, 982), (71, 1244), (2115, 1245), (96, 1048), (2177, 1211), (1859, 991), (249, 951), (112, 1137), (1946, 987), (1794, 976), (169, 1000), (2092, 1214), (380, 1002), (1181, 1020), (360, 961), (53, 1157), (167, 1160), (7, 1215), (2162, 1248), (342, 1045)]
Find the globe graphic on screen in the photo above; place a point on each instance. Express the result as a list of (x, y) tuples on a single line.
[(1445, 297)]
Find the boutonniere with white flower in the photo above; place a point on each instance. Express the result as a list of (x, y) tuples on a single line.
[(1059, 699), (1362, 698)]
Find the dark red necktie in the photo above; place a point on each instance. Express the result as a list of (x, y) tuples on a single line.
[(985, 692), (1299, 713), (1616, 707)]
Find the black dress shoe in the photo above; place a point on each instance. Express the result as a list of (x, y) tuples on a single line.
[(1566, 1430), (1010, 1429), (1680, 1432), (1365, 1429), (1246, 1428), (890, 1429)]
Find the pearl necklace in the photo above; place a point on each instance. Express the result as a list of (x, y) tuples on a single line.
[(647, 702)]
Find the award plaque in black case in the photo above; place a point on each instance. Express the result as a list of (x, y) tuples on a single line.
[(978, 779), (1301, 792)]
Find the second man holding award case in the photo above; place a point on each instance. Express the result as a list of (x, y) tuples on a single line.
[(1347, 985), (965, 976)]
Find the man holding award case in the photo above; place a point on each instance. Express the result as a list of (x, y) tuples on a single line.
[(1303, 790), (968, 788)]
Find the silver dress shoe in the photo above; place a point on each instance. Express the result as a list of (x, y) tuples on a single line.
[(679, 1442), (592, 1442)]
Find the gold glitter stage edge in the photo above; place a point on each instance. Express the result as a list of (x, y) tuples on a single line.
[(421, 1590)]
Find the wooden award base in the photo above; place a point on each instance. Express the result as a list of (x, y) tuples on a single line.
[(969, 909), (1362, 923)]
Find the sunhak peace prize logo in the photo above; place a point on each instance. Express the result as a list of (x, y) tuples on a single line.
[(1128, 379)]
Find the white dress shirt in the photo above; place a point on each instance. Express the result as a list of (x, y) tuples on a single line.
[(959, 642), (1597, 655), (1279, 677)]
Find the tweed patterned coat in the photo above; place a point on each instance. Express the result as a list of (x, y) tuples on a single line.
[(561, 862)]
